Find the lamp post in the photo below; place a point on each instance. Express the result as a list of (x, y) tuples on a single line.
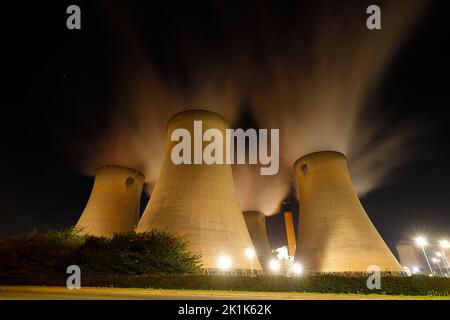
[(274, 265), (224, 263), (422, 242), (435, 260), (445, 244), (297, 269), (250, 253)]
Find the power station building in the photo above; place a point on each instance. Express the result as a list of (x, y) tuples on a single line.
[(198, 202), (335, 234), (113, 206)]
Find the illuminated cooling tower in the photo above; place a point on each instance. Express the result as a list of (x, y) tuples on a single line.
[(335, 233), (198, 201), (408, 256), (113, 205), (256, 225)]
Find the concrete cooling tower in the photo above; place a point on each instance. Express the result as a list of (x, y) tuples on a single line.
[(335, 234), (113, 206), (198, 202), (256, 225), (408, 256)]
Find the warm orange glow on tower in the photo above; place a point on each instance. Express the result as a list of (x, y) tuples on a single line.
[(335, 234), (113, 206), (198, 202)]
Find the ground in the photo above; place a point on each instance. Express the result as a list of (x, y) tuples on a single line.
[(62, 293)]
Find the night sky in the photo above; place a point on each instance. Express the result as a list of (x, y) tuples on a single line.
[(58, 84)]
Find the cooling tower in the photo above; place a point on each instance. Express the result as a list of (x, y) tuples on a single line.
[(290, 233), (198, 201), (408, 256), (335, 234), (113, 206), (256, 225)]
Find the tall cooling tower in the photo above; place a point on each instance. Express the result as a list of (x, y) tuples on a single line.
[(113, 206), (335, 233), (256, 225), (408, 256), (198, 201)]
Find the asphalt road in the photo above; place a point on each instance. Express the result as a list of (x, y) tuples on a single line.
[(61, 293)]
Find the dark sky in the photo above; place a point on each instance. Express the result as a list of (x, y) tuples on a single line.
[(57, 83)]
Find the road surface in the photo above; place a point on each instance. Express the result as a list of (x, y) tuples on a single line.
[(61, 293)]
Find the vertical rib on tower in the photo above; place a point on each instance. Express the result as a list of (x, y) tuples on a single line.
[(335, 233), (113, 206), (198, 201)]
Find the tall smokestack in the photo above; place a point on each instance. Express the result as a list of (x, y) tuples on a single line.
[(198, 201), (335, 234), (113, 206), (256, 225), (290, 233)]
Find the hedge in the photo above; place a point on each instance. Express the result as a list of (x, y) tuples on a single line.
[(415, 285)]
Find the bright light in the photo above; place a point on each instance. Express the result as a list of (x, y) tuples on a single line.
[(224, 263), (438, 254), (282, 253), (421, 241), (297, 268), (274, 265), (435, 260), (250, 253), (415, 269), (444, 244)]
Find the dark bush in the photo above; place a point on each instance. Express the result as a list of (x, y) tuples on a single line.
[(34, 252), (50, 253), (143, 253)]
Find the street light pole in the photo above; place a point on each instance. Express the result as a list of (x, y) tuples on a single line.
[(440, 269), (437, 261), (422, 242), (444, 244), (426, 258), (444, 258)]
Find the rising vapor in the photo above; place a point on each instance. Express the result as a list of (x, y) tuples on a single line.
[(316, 89), (310, 74)]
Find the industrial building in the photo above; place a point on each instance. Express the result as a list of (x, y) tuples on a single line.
[(335, 234), (113, 206), (198, 203)]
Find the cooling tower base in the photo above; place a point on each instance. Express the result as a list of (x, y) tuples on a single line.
[(232, 272)]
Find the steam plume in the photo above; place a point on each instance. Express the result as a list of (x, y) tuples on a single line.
[(316, 89)]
